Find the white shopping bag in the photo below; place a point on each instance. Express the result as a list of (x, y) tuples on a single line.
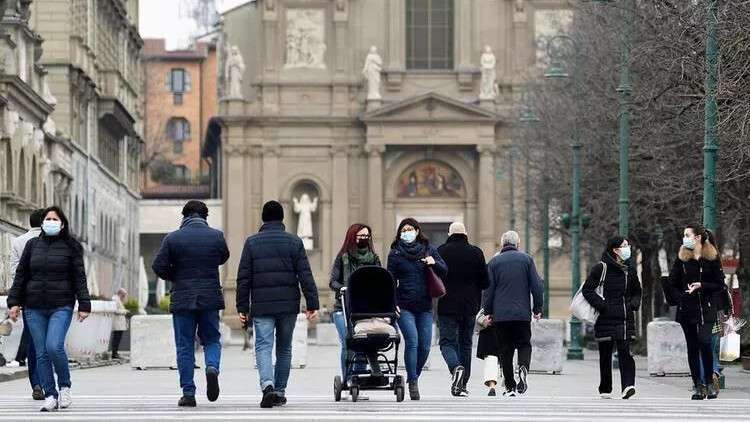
[(730, 347)]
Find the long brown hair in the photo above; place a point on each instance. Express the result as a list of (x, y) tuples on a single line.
[(350, 240)]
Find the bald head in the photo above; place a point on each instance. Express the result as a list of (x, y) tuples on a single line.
[(457, 228)]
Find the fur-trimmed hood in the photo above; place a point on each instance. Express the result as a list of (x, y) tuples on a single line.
[(709, 253)]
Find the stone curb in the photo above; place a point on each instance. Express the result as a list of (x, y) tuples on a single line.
[(23, 373)]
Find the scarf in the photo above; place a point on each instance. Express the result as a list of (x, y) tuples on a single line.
[(414, 250), (363, 257)]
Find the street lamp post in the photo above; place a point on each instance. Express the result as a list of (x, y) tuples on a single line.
[(556, 72), (527, 116), (709, 136)]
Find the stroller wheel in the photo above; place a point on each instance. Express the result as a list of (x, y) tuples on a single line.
[(354, 392), (398, 380), (399, 390), (337, 388)]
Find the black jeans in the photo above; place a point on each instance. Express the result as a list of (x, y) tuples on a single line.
[(698, 338), (512, 336), (456, 333), (116, 337), (626, 361)]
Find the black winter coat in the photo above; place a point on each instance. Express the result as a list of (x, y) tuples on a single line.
[(50, 275), (272, 269), (700, 306), (411, 275), (190, 258), (622, 297), (465, 280), (337, 279)]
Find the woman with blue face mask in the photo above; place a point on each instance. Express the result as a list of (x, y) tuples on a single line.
[(615, 327), (695, 277), (49, 279), (410, 256)]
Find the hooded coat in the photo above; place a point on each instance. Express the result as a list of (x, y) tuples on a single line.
[(699, 307)]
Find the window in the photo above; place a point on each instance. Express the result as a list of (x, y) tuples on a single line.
[(429, 34), (177, 147), (178, 129), (181, 172), (177, 81)]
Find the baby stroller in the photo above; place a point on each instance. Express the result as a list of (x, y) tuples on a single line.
[(371, 293)]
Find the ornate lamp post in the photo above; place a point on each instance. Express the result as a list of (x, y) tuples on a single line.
[(557, 72)]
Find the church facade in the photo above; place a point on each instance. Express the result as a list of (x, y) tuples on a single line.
[(372, 111)]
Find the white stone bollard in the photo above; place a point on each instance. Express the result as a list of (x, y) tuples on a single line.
[(547, 349), (299, 342), (152, 342), (326, 334), (667, 349), (88, 339)]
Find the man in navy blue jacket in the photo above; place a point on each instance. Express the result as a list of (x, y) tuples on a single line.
[(513, 281), (273, 268), (189, 258)]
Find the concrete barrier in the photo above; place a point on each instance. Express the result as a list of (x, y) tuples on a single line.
[(547, 351), (152, 342), (667, 349), (326, 334), (89, 339)]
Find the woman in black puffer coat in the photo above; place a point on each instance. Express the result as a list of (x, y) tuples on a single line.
[(615, 326), (693, 281), (49, 278)]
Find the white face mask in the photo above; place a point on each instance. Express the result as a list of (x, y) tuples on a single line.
[(51, 227), (409, 236), (625, 253)]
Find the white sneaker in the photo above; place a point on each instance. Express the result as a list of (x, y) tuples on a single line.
[(13, 364), (509, 393), (66, 399), (628, 392), (605, 395), (50, 404)]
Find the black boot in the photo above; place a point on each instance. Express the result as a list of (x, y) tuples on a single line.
[(698, 394)]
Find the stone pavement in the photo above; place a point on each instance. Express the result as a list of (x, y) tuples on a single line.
[(119, 393)]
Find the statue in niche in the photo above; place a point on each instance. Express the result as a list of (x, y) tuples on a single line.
[(235, 68), (305, 39), (304, 206), (488, 88), (38, 140), (27, 134), (371, 70)]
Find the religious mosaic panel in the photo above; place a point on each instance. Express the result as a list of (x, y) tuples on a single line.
[(430, 179)]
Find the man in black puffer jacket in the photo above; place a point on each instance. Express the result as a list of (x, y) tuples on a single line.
[(272, 269), (190, 258)]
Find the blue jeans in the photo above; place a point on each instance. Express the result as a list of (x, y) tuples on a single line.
[(456, 333), (264, 328), (416, 328), (48, 328), (707, 380), (30, 354), (338, 321), (185, 323)]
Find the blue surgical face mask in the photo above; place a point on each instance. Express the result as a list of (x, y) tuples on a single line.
[(51, 227), (409, 236), (688, 242), (625, 253)]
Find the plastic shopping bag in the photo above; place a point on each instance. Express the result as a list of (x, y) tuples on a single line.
[(730, 347)]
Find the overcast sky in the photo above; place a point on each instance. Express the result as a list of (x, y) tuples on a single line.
[(161, 19)]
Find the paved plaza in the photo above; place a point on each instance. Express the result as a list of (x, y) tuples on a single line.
[(120, 393)]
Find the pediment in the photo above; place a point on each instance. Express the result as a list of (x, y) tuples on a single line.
[(430, 107)]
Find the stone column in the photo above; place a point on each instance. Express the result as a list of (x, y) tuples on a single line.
[(522, 42), (270, 173), (375, 193), (340, 189), (464, 51), (234, 220), (486, 198)]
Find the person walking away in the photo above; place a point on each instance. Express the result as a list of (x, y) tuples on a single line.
[(513, 278), (272, 269), (615, 327), (26, 354), (356, 251), (488, 350), (409, 259), (120, 321), (457, 310), (49, 278), (695, 277), (189, 258)]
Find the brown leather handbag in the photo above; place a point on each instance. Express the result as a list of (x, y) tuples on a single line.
[(435, 285)]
